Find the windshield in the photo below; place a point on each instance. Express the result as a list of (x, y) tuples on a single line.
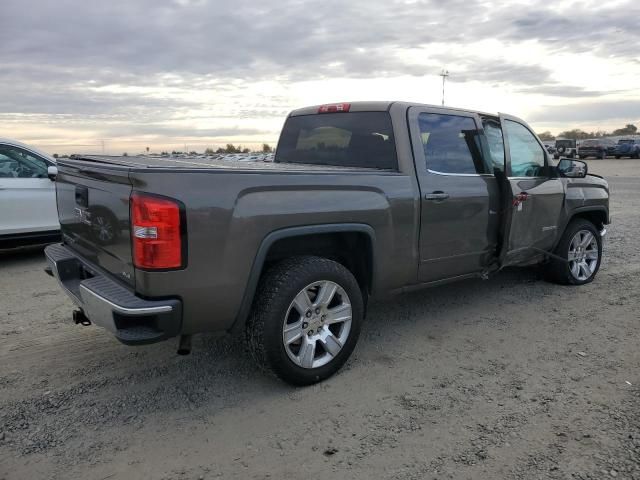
[(354, 139)]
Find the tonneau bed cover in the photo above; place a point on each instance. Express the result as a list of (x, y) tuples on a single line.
[(149, 162)]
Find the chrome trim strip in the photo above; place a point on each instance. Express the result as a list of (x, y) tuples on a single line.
[(125, 310), (435, 172), (531, 178)]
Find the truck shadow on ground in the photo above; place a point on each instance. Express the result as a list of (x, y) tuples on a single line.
[(114, 386)]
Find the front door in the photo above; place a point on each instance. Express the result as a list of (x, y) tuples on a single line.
[(533, 197), (27, 196), (459, 194)]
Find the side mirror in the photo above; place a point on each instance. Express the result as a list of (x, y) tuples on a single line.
[(570, 168), (52, 173)]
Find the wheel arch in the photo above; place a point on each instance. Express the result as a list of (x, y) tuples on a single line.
[(596, 214), (320, 240)]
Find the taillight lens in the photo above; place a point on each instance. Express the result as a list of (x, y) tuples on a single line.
[(156, 232)]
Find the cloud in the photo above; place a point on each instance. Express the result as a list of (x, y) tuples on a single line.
[(160, 130), (589, 112), (242, 38), (559, 90), (136, 62)]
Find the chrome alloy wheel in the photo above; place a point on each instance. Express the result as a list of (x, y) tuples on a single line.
[(583, 255), (317, 324)]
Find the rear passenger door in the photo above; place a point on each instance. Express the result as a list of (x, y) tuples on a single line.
[(534, 196), (459, 194)]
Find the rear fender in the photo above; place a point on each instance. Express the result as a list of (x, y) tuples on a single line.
[(273, 237)]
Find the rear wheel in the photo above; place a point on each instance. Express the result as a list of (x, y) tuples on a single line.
[(581, 246), (305, 320)]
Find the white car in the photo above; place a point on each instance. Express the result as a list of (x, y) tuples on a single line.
[(28, 212)]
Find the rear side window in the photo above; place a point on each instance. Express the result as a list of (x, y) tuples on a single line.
[(451, 144), (354, 139)]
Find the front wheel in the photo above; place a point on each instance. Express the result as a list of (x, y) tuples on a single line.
[(581, 246), (305, 320)]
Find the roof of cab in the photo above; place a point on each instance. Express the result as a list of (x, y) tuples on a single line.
[(379, 106)]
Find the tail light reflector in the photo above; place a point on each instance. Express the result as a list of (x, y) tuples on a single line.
[(156, 232)]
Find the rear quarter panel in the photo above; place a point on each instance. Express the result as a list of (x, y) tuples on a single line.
[(229, 214)]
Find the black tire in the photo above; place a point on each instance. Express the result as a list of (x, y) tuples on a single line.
[(617, 157), (560, 272), (276, 291)]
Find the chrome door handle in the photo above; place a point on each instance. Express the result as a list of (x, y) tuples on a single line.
[(436, 196)]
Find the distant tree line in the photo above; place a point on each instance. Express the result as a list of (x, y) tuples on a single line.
[(231, 148), (577, 134)]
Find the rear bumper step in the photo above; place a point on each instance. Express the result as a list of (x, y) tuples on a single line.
[(133, 320)]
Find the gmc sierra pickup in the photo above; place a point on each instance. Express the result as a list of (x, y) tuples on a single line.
[(363, 199)]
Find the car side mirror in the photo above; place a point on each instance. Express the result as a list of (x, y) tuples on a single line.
[(570, 168), (52, 173)]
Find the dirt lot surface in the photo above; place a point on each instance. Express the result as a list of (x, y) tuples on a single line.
[(507, 378)]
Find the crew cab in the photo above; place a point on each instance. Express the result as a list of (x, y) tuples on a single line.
[(599, 148), (363, 200)]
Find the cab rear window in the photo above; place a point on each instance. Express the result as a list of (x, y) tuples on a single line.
[(354, 139)]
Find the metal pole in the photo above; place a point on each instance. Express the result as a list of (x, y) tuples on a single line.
[(444, 74)]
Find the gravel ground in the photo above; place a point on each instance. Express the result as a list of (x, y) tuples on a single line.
[(506, 378)]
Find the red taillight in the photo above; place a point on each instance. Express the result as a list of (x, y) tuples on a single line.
[(156, 234), (334, 107)]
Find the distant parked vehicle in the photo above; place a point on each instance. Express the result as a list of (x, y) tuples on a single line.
[(598, 147), (550, 148), (28, 213), (565, 148), (627, 148)]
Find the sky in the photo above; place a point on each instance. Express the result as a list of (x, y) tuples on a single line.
[(80, 76)]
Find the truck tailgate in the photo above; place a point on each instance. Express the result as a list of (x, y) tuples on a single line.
[(93, 207)]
